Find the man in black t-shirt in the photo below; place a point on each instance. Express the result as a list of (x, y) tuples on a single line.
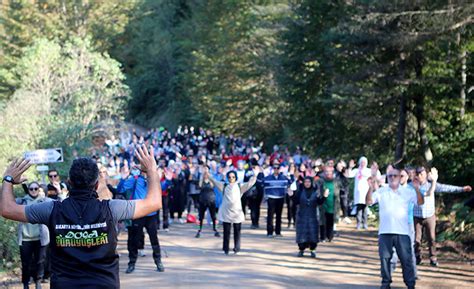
[(82, 228)]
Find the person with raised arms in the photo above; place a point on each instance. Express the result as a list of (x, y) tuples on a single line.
[(82, 228), (395, 202)]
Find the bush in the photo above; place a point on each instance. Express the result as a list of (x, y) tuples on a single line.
[(10, 253)]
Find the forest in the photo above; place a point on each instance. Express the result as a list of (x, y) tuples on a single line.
[(392, 80)]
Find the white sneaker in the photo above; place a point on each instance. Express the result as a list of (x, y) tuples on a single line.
[(347, 220), (167, 230), (141, 253)]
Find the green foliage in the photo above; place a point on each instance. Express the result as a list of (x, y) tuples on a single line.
[(10, 255), (328, 75), (66, 90), (23, 22)]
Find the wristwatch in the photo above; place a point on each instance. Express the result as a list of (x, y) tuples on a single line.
[(8, 179)]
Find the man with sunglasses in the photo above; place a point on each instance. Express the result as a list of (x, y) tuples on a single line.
[(275, 188), (395, 202), (57, 190), (425, 216)]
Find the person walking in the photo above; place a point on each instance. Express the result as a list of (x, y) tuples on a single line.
[(307, 199), (230, 212)]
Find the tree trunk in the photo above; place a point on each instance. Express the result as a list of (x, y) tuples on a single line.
[(402, 118), (463, 56), (420, 113), (402, 121)]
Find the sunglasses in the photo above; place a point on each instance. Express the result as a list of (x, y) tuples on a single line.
[(33, 189), (53, 176), (393, 176)]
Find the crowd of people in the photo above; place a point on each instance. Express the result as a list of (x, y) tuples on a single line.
[(229, 179)]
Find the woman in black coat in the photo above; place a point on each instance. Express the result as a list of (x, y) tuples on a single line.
[(307, 200)]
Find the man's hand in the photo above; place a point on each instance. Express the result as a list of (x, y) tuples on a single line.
[(160, 173), (57, 185), (374, 168), (433, 175), (467, 188), (146, 158), (152, 201), (16, 170), (291, 171), (416, 183), (326, 193), (256, 170), (352, 164), (8, 207)]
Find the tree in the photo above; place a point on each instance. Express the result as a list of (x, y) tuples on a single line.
[(66, 90), (23, 22)]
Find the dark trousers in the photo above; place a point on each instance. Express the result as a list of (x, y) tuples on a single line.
[(193, 200), (166, 211), (254, 205), (430, 232), (244, 202), (180, 214), (275, 206), (212, 211), (32, 256), (311, 245), (403, 248), (237, 227), (361, 216), (344, 206), (135, 235), (327, 230), (47, 262), (291, 212)]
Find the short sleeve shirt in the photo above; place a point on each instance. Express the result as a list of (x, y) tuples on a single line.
[(39, 213), (394, 209)]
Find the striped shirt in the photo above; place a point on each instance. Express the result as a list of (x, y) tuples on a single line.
[(428, 208), (275, 187)]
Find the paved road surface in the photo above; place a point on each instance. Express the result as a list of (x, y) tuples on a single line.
[(349, 262)]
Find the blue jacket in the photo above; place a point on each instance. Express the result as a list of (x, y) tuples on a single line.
[(141, 187), (275, 187)]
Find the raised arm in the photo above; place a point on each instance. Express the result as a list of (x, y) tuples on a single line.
[(373, 186), (246, 186), (152, 202), (9, 208), (419, 196), (444, 188), (219, 185), (433, 175)]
